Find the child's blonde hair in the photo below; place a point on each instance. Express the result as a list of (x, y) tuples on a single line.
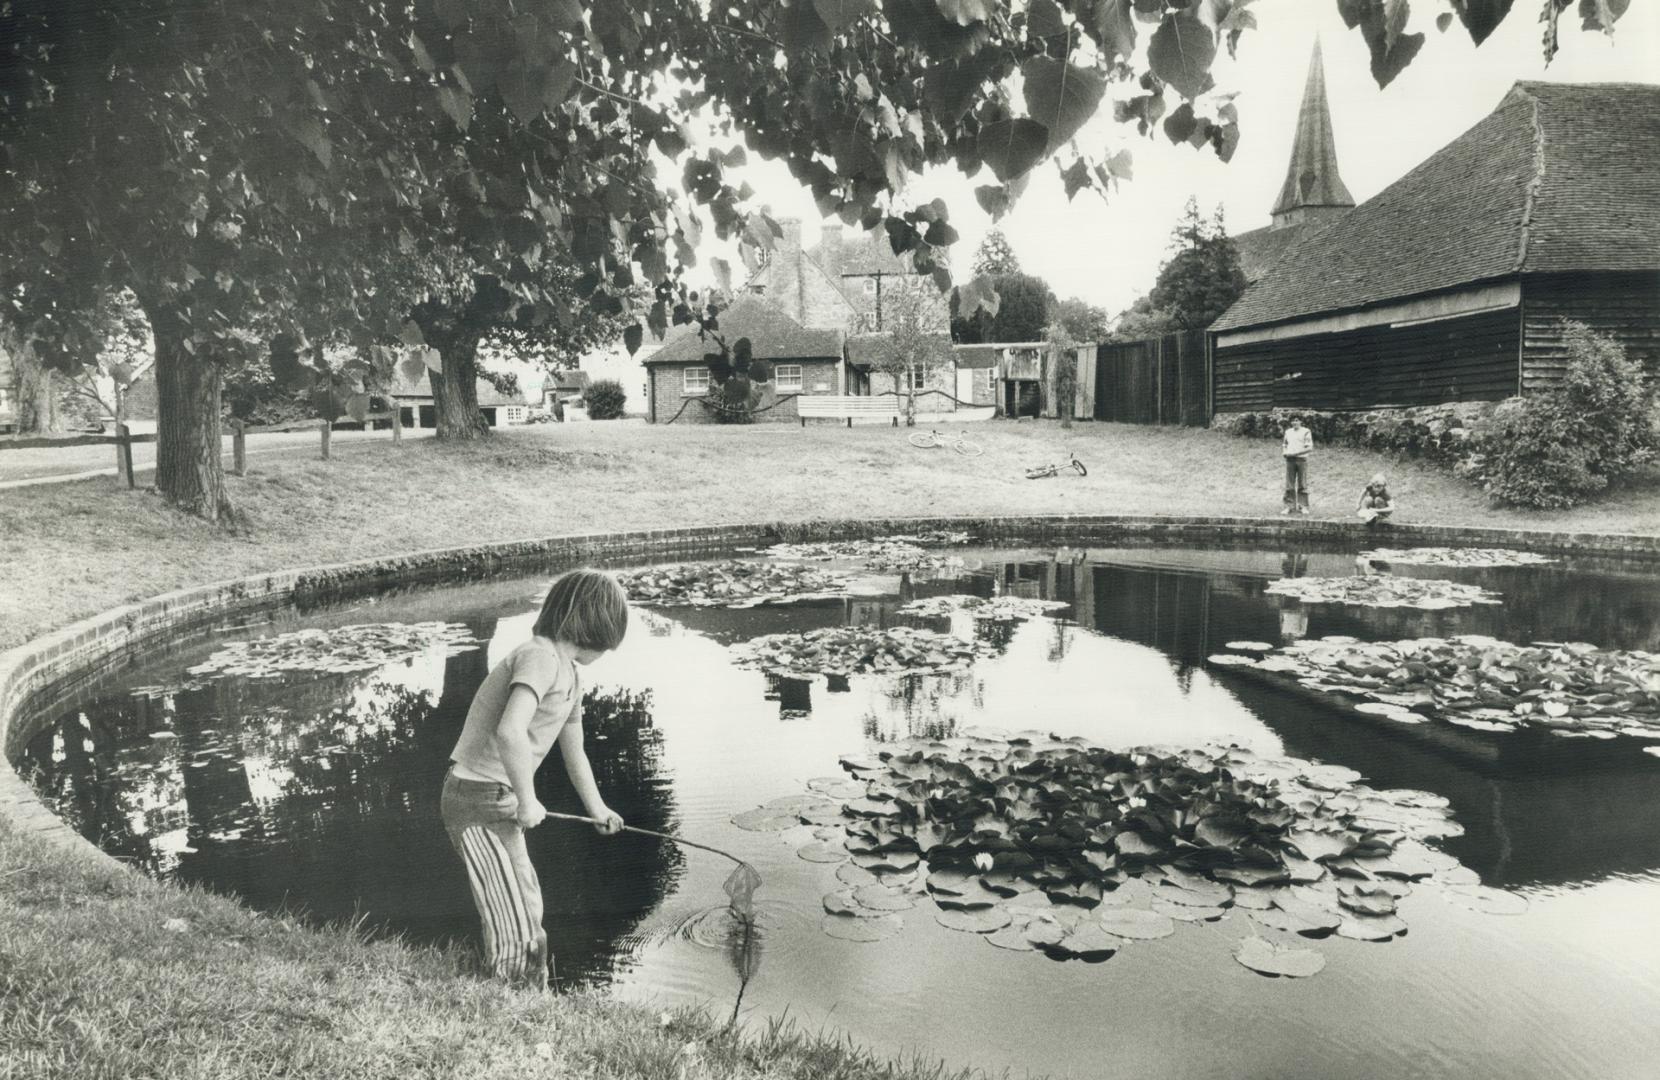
[(586, 608)]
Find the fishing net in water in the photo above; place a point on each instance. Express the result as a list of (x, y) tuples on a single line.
[(740, 891)]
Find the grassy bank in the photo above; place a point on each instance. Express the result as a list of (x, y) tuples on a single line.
[(106, 974), (75, 549)]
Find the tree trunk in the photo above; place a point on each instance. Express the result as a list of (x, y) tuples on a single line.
[(189, 469), (455, 388), (38, 411)]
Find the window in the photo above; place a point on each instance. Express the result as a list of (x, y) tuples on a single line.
[(697, 380), (867, 322), (870, 286), (787, 378), (916, 379)]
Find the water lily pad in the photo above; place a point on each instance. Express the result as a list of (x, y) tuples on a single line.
[(1442, 556), (970, 895), (879, 897), (839, 788), (339, 650), (1135, 923), (888, 860), (983, 609), (733, 583), (1486, 900), (976, 921), (1187, 912), (1011, 937), (1382, 591), (863, 929), (1250, 646), (1086, 942), (794, 803), (850, 874), (1266, 958), (821, 851), (879, 554), (1252, 899), (1231, 660), (845, 650), (762, 819), (1371, 927), (1367, 901), (842, 903)]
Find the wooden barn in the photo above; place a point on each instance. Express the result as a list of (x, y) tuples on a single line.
[(1449, 284)]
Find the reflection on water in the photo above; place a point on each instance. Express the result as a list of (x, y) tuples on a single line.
[(319, 794)]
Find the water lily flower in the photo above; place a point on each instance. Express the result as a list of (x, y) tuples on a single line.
[(983, 861)]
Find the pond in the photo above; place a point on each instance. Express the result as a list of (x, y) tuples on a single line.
[(316, 792)]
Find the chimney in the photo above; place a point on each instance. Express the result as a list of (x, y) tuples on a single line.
[(788, 290), (830, 248)]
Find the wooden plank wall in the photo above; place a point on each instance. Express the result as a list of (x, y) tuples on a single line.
[(1472, 358), (1626, 306), (1084, 406), (1156, 381)]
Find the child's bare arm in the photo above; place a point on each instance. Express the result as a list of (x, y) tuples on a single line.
[(513, 743), (573, 749)]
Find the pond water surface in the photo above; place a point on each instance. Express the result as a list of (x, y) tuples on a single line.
[(317, 793)]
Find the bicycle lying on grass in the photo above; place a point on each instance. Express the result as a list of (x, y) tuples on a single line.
[(928, 440), (1043, 472)]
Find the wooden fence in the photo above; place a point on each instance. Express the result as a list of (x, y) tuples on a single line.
[(123, 440), (1159, 381)]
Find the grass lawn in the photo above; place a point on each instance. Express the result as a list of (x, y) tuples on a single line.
[(108, 974), (76, 549)]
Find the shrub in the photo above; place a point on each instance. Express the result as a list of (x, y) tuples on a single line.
[(605, 398), (1441, 434), (1570, 443)]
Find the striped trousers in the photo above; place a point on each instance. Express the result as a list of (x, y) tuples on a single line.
[(479, 818)]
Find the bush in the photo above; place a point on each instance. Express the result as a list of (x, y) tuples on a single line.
[(1561, 447), (605, 399)]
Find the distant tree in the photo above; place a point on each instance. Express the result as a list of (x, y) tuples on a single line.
[(605, 399), (1024, 303), (917, 340), (1141, 321), (996, 256), (1083, 321), (1202, 277)]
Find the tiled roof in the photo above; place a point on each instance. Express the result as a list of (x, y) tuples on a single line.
[(772, 335), (488, 395), (866, 349), (1260, 249), (1558, 177)]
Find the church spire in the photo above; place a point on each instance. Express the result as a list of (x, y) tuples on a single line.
[(1313, 187)]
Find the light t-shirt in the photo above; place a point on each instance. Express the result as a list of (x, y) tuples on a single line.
[(1298, 441), (551, 675)]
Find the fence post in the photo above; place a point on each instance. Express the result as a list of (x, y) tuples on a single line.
[(239, 448), (327, 429), (124, 454), (397, 423)]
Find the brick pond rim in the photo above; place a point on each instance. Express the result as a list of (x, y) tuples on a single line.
[(54, 669)]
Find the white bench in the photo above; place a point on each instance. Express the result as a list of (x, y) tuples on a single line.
[(846, 407)]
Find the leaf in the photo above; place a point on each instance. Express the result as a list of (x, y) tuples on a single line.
[(633, 336), (433, 359), (1043, 19), (357, 407), (965, 12), (310, 135), (423, 59), (457, 105), (1115, 28), (1480, 17), (1443, 20), (1012, 147), (1119, 166), (1179, 125), (1601, 14), (1060, 96), (1395, 13), (838, 14), (975, 921), (1181, 53), (1266, 958)]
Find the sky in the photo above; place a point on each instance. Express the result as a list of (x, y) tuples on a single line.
[(1109, 252)]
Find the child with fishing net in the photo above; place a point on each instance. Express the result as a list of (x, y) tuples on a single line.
[(529, 701)]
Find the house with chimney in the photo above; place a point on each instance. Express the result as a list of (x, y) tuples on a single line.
[(820, 317), (1451, 283)]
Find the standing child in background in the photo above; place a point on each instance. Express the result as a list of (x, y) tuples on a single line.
[(1375, 505), (1299, 442), (530, 700)]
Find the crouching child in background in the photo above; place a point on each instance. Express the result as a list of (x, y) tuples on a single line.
[(1375, 504), (529, 701)]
